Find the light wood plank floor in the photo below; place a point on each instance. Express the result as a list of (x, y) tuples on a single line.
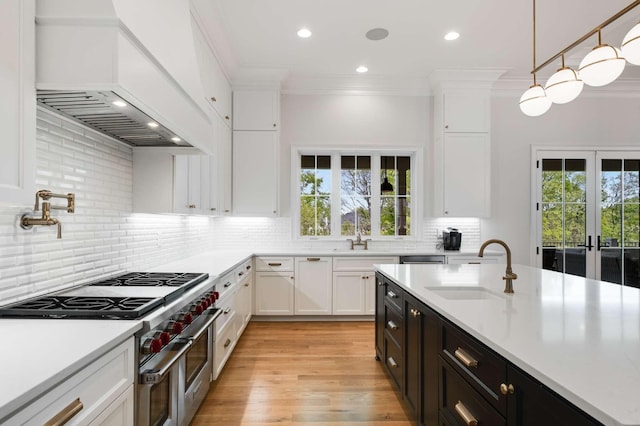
[(292, 373)]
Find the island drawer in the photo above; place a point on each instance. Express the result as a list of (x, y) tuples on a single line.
[(393, 323), (274, 264), (460, 404), (393, 295), (480, 366), (394, 361)]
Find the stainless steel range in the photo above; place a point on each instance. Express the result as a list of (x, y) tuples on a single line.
[(175, 345)]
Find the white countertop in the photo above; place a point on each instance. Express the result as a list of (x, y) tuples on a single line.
[(38, 354), (579, 337)]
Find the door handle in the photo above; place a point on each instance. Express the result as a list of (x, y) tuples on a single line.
[(598, 243), (588, 246)]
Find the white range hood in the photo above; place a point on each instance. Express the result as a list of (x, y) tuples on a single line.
[(92, 52)]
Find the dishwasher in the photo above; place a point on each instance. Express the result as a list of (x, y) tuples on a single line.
[(422, 258)]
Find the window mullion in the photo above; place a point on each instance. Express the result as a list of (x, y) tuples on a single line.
[(375, 195), (335, 196)]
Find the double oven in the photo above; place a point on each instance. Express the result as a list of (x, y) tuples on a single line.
[(175, 345)]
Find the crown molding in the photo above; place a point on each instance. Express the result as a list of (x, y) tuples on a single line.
[(356, 85)]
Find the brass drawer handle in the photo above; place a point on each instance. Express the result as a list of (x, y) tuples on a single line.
[(227, 343), (415, 312), (313, 259), (66, 414), (226, 311), (507, 389), (392, 362), (392, 325), (465, 358), (466, 416), (274, 264), (213, 98), (391, 294)]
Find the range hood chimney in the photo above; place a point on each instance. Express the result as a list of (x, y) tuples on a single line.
[(125, 68)]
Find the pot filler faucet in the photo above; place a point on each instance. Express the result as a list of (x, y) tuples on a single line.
[(509, 276), (27, 222)]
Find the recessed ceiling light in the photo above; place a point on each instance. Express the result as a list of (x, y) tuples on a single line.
[(120, 104), (452, 35), (362, 69), (304, 33), (377, 34), (153, 124), (176, 139)]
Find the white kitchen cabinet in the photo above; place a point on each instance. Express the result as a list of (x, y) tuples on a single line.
[(217, 90), (354, 284), (104, 388), (256, 109), (466, 112), (313, 286), (188, 184), (274, 293), (244, 296), (223, 167), (17, 103), (466, 188), (255, 173)]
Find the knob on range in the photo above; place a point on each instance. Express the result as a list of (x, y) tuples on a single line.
[(152, 346), (165, 338)]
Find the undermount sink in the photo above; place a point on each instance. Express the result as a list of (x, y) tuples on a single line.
[(465, 293)]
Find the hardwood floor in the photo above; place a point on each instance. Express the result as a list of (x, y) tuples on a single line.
[(291, 373)]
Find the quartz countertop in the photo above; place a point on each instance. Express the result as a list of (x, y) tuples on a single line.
[(579, 337)]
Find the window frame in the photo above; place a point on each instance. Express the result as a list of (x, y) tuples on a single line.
[(417, 190)]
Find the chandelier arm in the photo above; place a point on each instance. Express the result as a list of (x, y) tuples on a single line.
[(581, 39)]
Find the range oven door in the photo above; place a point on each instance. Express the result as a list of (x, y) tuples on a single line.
[(158, 389), (195, 372)]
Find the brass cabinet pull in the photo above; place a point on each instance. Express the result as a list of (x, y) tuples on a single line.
[(226, 311), (226, 117), (507, 389), (392, 325), (474, 263), (227, 343), (466, 416), (391, 294), (392, 362), (192, 206), (274, 124), (415, 313), (66, 414), (380, 283), (240, 273), (313, 259), (213, 98), (275, 264), (465, 358), (246, 284), (213, 209)]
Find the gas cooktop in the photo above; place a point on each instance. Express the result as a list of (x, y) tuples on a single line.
[(154, 279)]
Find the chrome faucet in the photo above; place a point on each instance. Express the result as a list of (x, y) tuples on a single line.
[(509, 276)]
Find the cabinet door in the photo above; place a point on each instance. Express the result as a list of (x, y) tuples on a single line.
[(256, 110), (223, 136), (466, 167), (243, 304), (274, 293), (187, 184), (349, 293), (380, 291), (255, 173), (533, 404), (466, 112), (313, 287), (370, 294), (17, 103)]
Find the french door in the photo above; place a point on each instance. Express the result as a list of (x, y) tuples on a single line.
[(588, 213)]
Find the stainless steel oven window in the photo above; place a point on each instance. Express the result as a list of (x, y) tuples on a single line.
[(196, 358), (160, 401)]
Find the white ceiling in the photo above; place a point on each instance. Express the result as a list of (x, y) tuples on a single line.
[(495, 34)]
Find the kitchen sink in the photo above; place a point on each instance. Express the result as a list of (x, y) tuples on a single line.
[(465, 293)]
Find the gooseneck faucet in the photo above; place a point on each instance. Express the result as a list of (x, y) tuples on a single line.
[(509, 276)]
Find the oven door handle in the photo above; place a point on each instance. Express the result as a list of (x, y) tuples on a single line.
[(150, 377), (213, 315)]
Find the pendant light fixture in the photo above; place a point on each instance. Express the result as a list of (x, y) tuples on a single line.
[(631, 45), (563, 86), (602, 65), (534, 101), (386, 186)]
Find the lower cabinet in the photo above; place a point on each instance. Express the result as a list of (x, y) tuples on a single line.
[(313, 292), (448, 377)]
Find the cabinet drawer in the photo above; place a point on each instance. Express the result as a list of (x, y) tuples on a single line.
[(483, 368), (393, 295), (459, 401), (224, 344), (243, 271), (347, 264), (393, 361), (96, 386), (393, 323), (226, 283), (227, 305), (274, 264)]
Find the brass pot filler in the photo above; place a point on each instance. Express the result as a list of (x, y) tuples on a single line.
[(27, 222)]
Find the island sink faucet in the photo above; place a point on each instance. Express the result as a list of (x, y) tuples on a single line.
[(509, 276)]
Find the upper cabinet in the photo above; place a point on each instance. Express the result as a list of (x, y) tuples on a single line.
[(17, 103), (256, 109), (217, 90), (466, 112)]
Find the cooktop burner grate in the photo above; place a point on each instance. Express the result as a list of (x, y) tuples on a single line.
[(83, 307), (154, 279)]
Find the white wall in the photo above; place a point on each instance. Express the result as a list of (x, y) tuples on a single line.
[(587, 121), (102, 237)]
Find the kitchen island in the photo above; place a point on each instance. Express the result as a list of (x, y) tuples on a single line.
[(580, 338)]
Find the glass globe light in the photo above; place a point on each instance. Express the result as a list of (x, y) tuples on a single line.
[(602, 65), (563, 86), (631, 45), (534, 101)]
